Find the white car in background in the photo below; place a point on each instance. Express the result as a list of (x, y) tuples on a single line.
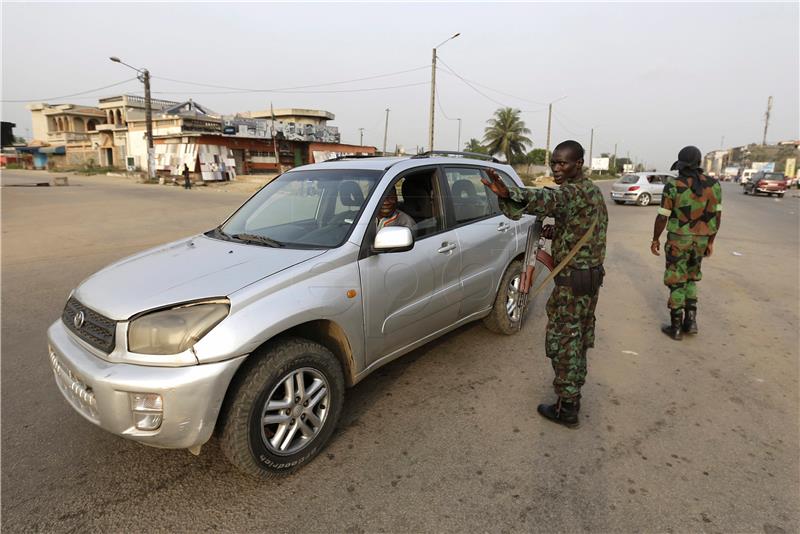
[(641, 188)]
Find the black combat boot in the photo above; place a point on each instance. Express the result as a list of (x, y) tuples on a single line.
[(673, 329), (690, 318), (564, 412)]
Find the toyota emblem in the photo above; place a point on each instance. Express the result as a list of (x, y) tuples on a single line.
[(78, 320)]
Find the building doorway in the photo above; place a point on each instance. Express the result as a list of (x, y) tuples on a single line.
[(109, 157)]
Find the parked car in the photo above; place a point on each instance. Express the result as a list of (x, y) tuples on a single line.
[(769, 183), (255, 328), (642, 188)]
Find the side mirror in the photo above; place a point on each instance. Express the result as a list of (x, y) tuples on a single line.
[(393, 239)]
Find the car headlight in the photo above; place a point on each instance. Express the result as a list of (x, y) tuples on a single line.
[(176, 330)]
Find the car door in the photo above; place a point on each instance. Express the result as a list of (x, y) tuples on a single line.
[(486, 237), (656, 186), (408, 296)]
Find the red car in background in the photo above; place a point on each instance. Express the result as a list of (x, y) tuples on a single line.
[(769, 183)]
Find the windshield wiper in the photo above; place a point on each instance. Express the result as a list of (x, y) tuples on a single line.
[(218, 233), (258, 239)]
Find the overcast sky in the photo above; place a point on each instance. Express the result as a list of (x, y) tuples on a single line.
[(649, 77)]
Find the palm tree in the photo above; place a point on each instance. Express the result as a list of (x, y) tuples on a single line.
[(506, 134), (475, 146)]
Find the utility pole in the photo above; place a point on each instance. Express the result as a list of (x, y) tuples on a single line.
[(361, 138), (433, 91), (148, 117), (766, 121), (614, 165), (385, 131), (547, 147), (591, 146), (458, 144), (722, 142), (144, 76)]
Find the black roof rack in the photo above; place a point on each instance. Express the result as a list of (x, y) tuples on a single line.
[(352, 156), (473, 155)]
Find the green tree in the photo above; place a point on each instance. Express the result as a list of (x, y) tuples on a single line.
[(506, 134), (473, 145), (536, 156)]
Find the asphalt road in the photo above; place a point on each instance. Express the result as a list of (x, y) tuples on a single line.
[(696, 436)]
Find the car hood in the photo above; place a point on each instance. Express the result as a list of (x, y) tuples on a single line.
[(190, 269)]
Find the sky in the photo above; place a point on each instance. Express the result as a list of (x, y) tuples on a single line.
[(650, 78)]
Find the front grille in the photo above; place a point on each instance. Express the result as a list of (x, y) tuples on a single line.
[(97, 330)]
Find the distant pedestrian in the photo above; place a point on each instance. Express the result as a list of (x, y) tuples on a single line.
[(691, 211), (187, 182)]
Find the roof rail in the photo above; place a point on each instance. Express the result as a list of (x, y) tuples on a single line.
[(351, 156), (473, 155)]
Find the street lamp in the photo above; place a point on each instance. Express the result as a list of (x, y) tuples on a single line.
[(144, 77), (433, 88)]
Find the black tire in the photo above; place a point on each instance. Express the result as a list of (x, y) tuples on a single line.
[(643, 199), (780, 195), (619, 202), (744, 190), (242, 434), (498, 320)]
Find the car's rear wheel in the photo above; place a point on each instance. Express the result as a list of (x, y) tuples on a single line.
[(644, 199), (780, 195), (505, 315), (283, 408)]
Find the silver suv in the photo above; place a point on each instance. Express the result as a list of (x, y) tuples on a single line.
[(256, 327), (642, 188)]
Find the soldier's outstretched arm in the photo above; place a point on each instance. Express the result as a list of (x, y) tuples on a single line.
[(516, 201)]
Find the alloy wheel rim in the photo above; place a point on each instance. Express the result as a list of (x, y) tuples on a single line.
[(644, 200), (295, 411), (512, 295)]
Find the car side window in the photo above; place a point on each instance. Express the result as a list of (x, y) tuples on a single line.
[(471, 199), (654, 179)]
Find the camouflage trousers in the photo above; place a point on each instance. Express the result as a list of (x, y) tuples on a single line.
[(684, 254), (570, 332)]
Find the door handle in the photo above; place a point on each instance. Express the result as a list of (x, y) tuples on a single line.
[(446, 247), (503, 226)]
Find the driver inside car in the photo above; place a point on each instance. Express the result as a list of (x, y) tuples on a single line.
[(389, 215)]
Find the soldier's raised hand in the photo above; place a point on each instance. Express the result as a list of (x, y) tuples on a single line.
[(495, 183)]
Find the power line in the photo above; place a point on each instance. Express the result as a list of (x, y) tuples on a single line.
[(452, 72), (296, 92), (71, 95), (282, 89), (439, 102)]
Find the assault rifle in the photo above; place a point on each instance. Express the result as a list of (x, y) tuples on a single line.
[(533, 245)]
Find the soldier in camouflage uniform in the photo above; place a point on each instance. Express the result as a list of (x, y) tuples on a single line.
[(576, 206), (691, 211)]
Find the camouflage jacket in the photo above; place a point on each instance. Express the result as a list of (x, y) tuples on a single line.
[(573, 206), (688, 213)]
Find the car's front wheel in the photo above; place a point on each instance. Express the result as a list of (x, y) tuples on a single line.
[(644, 199), (283, 408)]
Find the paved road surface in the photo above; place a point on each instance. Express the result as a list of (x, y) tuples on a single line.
[(697, 436)]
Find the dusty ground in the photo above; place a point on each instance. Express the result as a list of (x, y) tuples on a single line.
[(697, 436)]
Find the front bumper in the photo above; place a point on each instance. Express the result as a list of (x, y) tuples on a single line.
[(100, 392)]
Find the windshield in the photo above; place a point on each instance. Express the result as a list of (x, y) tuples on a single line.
[(629, 179), (773, 176), (304, 209)]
